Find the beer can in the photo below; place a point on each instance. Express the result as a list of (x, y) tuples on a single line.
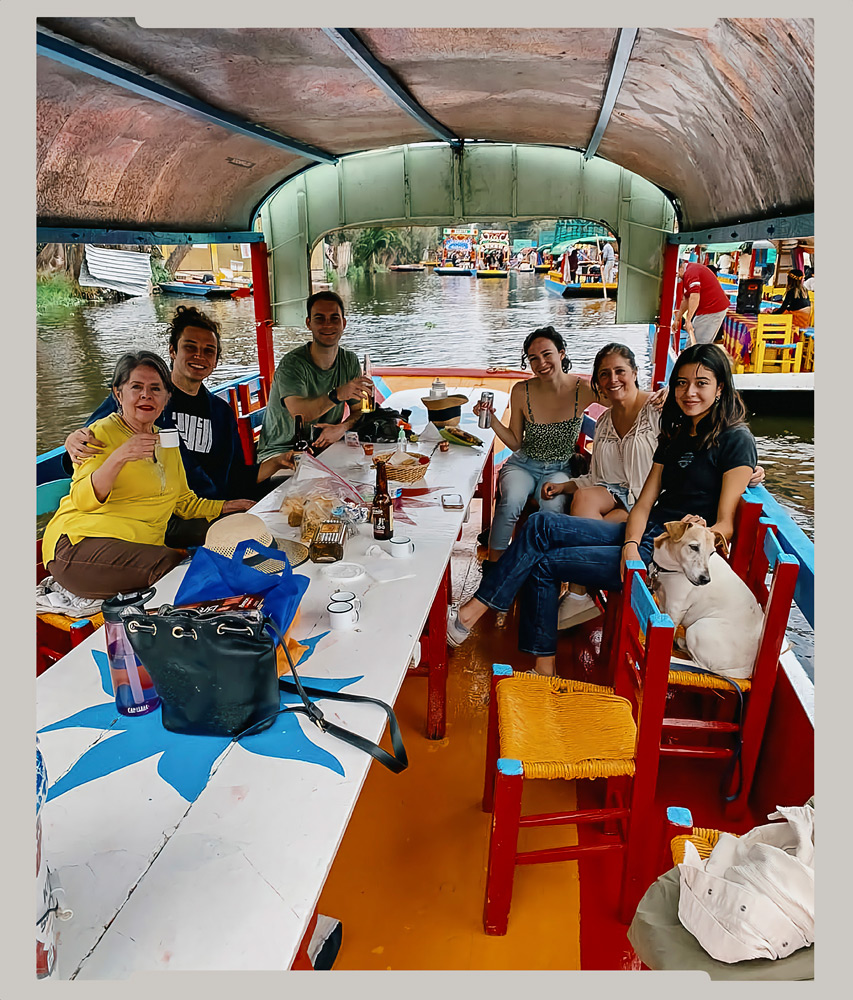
[(485, 419)]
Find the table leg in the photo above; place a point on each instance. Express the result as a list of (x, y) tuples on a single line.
[(301, 961), (436, 660), (487, 490)]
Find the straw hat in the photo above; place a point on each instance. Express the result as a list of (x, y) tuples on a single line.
[(444, 411), (224, 535)]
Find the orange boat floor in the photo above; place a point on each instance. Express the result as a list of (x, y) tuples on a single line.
[(408, 881)]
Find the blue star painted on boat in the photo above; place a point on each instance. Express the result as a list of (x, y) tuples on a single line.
[(185, 761)]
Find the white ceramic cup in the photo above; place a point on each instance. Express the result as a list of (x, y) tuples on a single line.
[(170, 438), (342, 615), (346, 597), (402, 548)]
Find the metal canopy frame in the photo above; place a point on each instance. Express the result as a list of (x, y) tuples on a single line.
[(624, 45), (71, 54), (352, 46), (136, 237)]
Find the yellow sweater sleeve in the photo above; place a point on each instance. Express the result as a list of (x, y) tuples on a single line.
[(189, 504), (82, 492)]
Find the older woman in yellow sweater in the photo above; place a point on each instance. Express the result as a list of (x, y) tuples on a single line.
[(107, 535)]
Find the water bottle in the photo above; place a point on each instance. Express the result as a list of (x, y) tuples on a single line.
[(132, 685)]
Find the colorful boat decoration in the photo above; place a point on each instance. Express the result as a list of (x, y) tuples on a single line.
[(458, 254), (493, 252)]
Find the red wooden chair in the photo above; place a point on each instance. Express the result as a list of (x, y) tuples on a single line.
[(57, 634), (741, 736), (247, 399), (553, 728)]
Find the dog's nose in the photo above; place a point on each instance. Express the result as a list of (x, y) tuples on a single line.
[(703, 580)]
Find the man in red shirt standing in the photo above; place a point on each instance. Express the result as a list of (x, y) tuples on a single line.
[(704, 304)]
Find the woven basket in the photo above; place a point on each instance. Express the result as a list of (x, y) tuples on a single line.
[(407, 474)]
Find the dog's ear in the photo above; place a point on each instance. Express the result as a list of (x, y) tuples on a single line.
[(721, 544), (675, 529)]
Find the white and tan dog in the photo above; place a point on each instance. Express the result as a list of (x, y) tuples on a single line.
[(698, 589)]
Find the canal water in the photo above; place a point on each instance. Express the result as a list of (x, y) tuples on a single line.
[(399, 318)]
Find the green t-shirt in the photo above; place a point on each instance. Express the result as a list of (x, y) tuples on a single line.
[(297, 375)]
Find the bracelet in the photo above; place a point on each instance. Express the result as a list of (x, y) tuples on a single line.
[(630, 542)]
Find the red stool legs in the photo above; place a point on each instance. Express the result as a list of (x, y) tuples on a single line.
[(502, 845)]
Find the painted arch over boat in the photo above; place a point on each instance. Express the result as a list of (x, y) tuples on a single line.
[(190, 129), (432, 184)]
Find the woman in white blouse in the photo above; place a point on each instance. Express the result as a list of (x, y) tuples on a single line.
[(626, 436)]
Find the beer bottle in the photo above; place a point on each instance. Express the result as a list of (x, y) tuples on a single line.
[(367, 402), (300, 438), (383, 513)]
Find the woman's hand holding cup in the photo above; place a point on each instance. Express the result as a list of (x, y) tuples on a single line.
[(137, 447)]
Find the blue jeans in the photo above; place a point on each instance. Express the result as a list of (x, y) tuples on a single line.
[(549, 550), (519, 478)]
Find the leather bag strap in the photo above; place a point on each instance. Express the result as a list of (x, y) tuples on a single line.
[(396, 762)]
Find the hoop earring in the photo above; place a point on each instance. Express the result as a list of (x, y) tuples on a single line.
[(524, 362), (566, 364)]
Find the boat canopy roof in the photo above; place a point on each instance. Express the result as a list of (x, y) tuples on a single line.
[(190, 129)]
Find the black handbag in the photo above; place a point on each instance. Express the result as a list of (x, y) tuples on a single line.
[(216, 675)]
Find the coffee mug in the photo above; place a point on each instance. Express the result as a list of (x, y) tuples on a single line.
[(402, 548), (346, 597), (342, 615), (170, 438)]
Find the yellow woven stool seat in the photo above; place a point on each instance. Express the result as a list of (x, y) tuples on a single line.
[(559, 731), (64, 622), (688, 679)]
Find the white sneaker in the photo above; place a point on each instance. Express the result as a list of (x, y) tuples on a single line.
[(456, 631), (573, 610)]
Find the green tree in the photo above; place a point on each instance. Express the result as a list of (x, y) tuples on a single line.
[(376, 246)]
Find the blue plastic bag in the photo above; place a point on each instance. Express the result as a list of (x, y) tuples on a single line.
[(211, 576)]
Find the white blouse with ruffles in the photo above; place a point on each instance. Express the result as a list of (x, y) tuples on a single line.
[(626, 461)]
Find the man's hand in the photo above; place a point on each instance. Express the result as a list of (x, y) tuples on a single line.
[(330, 434), (659, 398), (237, 506), (274, 463), (82, 444), (356, 388)]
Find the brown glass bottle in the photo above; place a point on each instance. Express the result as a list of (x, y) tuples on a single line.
[(383, 511)]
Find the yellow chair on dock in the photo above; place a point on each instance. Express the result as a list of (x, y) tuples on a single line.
[(774, 334), (808, 351)]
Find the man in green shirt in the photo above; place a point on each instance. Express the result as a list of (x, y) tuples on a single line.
[(314, 381)]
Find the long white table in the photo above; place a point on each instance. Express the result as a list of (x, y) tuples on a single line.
[(194, 853)]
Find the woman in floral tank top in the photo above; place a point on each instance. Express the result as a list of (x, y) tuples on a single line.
[(545, 420)]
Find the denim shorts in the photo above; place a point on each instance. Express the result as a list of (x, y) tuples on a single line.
[(620, 493)]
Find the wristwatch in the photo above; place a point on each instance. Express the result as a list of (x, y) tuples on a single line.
[(333, 395)]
